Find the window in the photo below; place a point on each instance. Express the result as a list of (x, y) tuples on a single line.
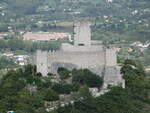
[(80, 44)]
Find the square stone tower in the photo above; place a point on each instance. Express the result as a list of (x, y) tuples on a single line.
[(42, 62), (82, 33)]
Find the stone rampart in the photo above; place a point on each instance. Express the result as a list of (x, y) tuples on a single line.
[(91, 60)]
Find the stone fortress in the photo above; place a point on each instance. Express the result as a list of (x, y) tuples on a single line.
[(84, 53)]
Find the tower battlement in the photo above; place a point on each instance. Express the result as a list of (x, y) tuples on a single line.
[(82, 33)]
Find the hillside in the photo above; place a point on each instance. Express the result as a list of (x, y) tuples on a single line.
[(25, 91), (94, 8), (129, 19), (123, 25)]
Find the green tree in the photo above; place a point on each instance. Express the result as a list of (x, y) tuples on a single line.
[(51, 95), (62, 88), (15, 44), (63, 72), (87, 77)]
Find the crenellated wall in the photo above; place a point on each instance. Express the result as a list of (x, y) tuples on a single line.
[(83, 54), (79, 59)]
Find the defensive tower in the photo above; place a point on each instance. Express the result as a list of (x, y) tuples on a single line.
[(82, 33), (84, 53)]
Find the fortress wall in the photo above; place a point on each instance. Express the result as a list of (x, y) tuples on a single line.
[(113, 76), (80, 59), (83, 54), (70, 48), (42, 62), (111, 57), (112, 73)]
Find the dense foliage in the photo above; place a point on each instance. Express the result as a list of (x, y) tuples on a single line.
[(26, 91), (6, 62), (16, 44), (18, 92), (133, 99), (86, 77), (63, 88), (63, 72), (21, 7), (15, 93)]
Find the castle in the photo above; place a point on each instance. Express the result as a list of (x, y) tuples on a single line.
[(84, 53)]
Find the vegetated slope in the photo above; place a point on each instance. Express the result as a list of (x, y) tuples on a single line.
[(126, 19), (26, 91), (133, 99), (24, 6), (94, 8)]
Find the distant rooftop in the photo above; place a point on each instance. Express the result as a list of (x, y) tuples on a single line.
[(45, 36)]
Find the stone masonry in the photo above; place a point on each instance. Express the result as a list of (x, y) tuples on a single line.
[(84, 53)]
